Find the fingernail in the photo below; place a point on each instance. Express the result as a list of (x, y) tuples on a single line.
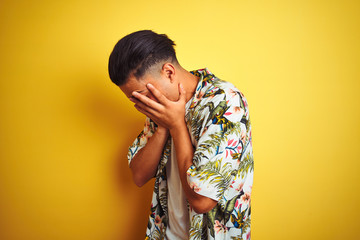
[(149, 85)]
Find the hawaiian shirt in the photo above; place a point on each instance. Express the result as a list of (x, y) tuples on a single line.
[(218, 121)]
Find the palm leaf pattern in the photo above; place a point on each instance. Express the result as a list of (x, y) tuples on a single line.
[(218, 176), (195, 230)]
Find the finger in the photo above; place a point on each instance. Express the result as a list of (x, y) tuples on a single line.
[(147, 109), (159, 96), (134, 100), (147, 101), (138, 103), (144, 111)]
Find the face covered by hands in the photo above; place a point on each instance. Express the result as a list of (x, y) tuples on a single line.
[(164, 112)]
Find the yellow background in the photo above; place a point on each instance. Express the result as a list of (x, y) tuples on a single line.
[(65, 127)]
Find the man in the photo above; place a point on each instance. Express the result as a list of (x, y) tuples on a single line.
[(196, 142)]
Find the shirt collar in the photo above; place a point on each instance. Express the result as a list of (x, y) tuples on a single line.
[(205, 80)]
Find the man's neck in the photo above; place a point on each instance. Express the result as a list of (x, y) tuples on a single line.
[(189, 81)]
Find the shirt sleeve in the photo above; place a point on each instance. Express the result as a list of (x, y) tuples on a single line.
[(141, 139), (219, 148)]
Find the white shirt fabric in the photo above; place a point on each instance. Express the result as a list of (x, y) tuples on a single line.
[(178, 226)]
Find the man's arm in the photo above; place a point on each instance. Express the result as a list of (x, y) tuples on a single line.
[(144, 164), (184, 155)]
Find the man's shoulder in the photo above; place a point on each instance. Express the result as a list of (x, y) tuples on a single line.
[(220, 90), (216, 96)]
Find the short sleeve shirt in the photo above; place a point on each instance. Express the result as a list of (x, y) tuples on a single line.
[(218, 121)]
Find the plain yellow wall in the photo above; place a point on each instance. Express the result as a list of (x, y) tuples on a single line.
[(65, 127)]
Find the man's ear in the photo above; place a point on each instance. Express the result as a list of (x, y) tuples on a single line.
[(169, 71)]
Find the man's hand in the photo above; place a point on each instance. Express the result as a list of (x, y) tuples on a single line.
[(165, 113)]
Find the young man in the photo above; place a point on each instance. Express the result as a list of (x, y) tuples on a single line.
[(196, 142)]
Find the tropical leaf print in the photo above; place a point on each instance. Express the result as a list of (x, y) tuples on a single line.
[(196, 227), (246, 165), (214, 140), (218, 176)]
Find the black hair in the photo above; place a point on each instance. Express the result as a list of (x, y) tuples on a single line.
[(137, 52)]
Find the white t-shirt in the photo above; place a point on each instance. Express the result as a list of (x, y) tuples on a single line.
[(178, 225)]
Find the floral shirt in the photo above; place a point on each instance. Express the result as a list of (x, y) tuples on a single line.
[(218, 121)]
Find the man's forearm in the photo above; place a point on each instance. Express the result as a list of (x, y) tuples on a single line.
[(145, 162), (184, 155)]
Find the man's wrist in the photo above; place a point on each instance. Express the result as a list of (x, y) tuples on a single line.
[(162, 130), (178, 128)]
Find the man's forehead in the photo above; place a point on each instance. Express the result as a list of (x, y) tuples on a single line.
[(136, 84), (132, 86)]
